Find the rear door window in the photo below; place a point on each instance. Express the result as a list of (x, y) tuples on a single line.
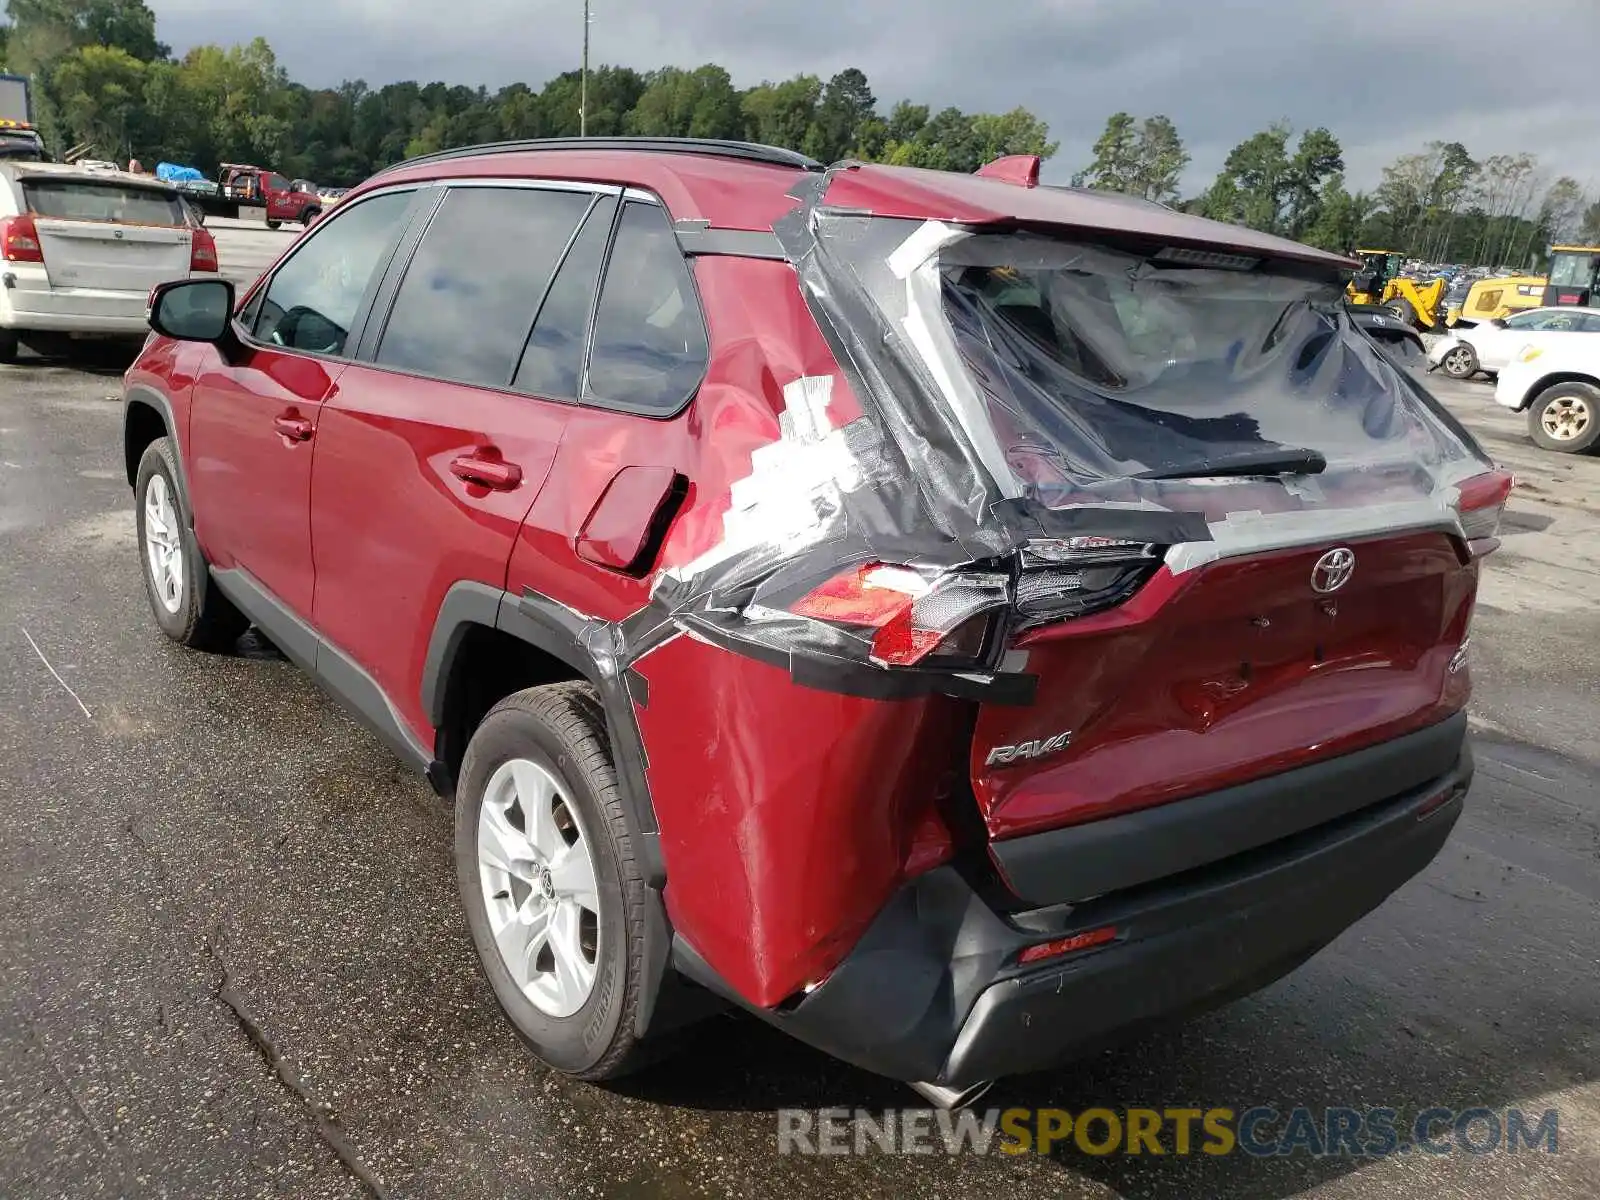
[(470, 293), (650, 348), (312, 301), (102, 200)]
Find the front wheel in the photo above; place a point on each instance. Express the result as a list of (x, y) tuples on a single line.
[(185, 601), (1460, 362), (1566, 418), (549, 880)]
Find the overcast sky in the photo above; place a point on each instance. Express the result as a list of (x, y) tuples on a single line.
[(1386, 76)]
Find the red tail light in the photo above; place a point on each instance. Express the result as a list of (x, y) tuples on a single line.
[(19, 240), (203, 251), (908, 615), (1481, 503)]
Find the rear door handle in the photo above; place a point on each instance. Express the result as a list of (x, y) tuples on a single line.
[(295, 428), (492, 473)]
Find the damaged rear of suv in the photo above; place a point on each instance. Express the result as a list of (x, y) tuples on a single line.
[(1122, 589), (954, 619)]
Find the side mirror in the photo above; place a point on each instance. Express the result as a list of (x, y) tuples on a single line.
[(193, 310), (1498, 322)]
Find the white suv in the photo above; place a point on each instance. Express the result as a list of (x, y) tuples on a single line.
[(80, 250), (1558, 386), (1489, 347)]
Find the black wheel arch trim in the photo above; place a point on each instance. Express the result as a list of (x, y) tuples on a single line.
[(151, 398), (579, 642)]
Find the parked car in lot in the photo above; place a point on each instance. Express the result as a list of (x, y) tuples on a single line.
[(1557, 383), (953, 619), (1490, 346), (81, 249)]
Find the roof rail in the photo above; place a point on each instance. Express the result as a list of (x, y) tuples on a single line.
[(748, 151)]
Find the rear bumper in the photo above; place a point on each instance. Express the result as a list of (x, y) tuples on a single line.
[(27, 301), (933, 991)]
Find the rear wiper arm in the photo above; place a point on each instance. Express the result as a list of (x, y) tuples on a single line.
[(1289, 461)]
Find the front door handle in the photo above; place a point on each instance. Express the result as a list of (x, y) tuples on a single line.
[(492, 473), (293, 426)]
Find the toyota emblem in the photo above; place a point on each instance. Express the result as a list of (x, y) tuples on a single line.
[(1333, 570)]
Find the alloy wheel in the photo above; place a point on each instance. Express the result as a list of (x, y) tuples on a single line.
[(536, 869), (1458, 362), (163, 545), (1565, 418)]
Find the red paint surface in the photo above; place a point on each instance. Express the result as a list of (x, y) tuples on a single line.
[(788, 815), (250, 485), (392, 526), (1182, 690)]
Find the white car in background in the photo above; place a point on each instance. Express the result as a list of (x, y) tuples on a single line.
[(1558, 386), (1488, 347), (80, 249)]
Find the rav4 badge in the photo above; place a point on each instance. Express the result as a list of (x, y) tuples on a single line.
[(1001, 755)]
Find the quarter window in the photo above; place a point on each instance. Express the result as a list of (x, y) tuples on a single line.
[(471, 291), (650, 347), (312, 301)]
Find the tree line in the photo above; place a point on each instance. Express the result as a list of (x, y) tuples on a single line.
[(1440, 204), (103, 80)]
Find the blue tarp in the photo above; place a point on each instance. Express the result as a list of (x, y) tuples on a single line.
[(172, 173)]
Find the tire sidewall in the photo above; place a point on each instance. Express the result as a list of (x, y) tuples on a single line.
[(1579, 445), (570, 1044), (179, 625)]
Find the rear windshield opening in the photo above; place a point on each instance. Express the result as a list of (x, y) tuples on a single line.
[(1090, 366), (97, 200)]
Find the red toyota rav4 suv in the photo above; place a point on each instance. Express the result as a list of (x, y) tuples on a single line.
[(952, 618)]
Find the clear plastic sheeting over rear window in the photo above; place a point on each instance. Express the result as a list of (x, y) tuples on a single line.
[(1077, 374), (102, 200)]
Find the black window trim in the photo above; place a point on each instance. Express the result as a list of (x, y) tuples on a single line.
[(588, 399), (538, 311), (364, 310)]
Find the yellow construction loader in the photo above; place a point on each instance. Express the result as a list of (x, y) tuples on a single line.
[(1379, 282)]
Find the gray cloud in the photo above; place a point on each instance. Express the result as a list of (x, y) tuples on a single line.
[(1386, 76)]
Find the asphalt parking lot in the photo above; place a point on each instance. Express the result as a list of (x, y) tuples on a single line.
[(231, 961)]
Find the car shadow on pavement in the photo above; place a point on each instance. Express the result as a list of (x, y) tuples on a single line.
[(110, 359)]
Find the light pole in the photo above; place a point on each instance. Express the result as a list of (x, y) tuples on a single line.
[(583, 84)]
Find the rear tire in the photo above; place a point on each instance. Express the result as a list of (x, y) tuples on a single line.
[(541, 762), (274, 224), (1566, 418), (1460, 362), (8, 345), (184, 599)]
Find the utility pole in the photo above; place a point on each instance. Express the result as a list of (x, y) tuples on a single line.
[(583, 86)]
